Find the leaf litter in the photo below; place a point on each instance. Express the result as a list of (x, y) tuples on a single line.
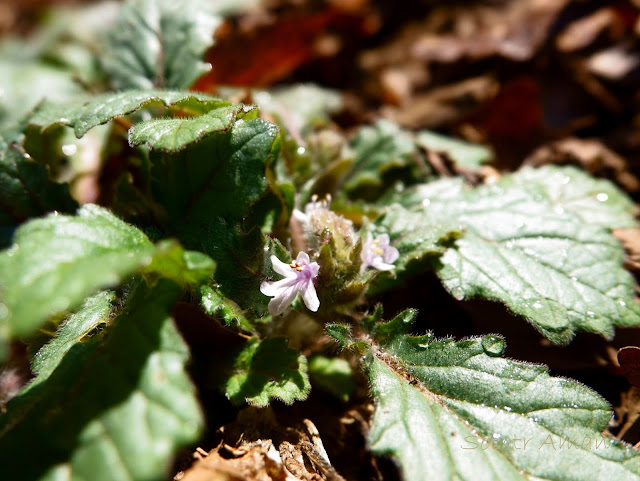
[(480, 73)]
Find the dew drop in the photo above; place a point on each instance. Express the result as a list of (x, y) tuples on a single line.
[(458, 293), (508, 408), (621, 302), (566, 180), (69, 149), (537, 305), (602, 197), (493, 345), (426, 202), (301, 150)]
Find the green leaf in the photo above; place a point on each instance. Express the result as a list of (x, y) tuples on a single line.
[(160, 43), (218, 306), (84, 114), (221, 176), (540, 242), (340, 333), (457, 410), (132, 402), (175, 134), (465, 154), (171, 261), (266, 370), (380, 151), (24, 84), (333, 375), (94, 312), (595, 201), (57, 261), (299, 108), (26, 191), (243, 261)]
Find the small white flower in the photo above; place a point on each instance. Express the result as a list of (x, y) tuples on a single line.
[(299, 277), (378, 254)]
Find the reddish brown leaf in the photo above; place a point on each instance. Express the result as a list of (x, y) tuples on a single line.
[(629, 359)]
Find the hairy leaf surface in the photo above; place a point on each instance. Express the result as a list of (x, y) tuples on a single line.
[(266, 370), (132, 402), (57, 261), (458, 410), (540, 241), (94, 312), (26, 191), (93, 111), (223, 308), (243, 262), (175, 134), (333, 375), (221, 176)]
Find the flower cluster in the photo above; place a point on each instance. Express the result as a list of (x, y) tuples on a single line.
[(301, 274), (320, 224)]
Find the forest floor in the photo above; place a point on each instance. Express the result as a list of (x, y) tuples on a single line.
[(538, 81)]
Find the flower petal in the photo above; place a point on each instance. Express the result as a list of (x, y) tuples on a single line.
[(314, 268), (310, 297), (278, 304), (272, 289), (281, 267), (300, 216), (391, 255), (383, 240), (303, 258), (381, 266)]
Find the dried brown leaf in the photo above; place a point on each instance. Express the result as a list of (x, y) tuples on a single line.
[(590, 154)]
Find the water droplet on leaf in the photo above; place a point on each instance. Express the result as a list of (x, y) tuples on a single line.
[(493, 345), (69, 149), (458, 293)]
